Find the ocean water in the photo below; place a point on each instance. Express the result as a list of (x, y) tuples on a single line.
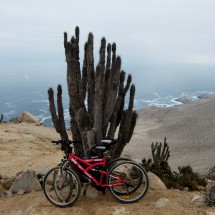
[(29, 93)]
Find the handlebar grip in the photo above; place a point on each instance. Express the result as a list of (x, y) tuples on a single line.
[(65, 142), (56, 142)]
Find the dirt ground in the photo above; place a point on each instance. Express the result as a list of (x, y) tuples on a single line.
[(189, 130)]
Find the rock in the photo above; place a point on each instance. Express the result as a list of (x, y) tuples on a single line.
[(20, 192), (125, 155), (15, 120), (120, 211), (92, 193), (161, 202), (185, 189), (18, 173), (4, 177), (27, 181), (8, 182), (155, 183), (25, 117), (195, 197), (7, 194), (198, 200), (183, 100)]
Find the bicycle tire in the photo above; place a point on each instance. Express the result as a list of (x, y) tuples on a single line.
[(62, 187), (119, 159), (114, 161), (135, 188)]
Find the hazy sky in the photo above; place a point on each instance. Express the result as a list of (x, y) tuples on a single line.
[(156, 36)]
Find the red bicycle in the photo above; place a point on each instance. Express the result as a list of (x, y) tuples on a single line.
[(126, 180)]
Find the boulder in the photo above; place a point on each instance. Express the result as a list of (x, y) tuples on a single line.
[(26, 117), (27, 182), (155, 183)]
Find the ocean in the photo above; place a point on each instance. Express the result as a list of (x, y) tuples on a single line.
[(27, 92)]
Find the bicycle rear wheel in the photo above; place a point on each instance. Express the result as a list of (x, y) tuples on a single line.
[(62, 187), (114, 161), (136, 185)]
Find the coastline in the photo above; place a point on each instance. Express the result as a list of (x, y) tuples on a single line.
[(189, 129)]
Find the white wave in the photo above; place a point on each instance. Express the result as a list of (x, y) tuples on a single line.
[(44, 111), (175, 102), (161, 105), (45, 118), (12, 112), (9, 105), (39, 94)]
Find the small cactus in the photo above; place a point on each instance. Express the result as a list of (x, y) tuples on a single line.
[(159, 154)]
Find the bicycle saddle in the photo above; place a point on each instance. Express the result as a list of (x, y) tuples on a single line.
[(108, 142)]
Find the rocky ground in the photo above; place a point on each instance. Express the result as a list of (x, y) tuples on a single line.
[(25, 146)]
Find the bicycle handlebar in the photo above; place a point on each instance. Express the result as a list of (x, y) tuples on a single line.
[(67, 142)]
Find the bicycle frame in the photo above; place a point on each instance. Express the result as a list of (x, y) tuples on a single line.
[(90, 164)]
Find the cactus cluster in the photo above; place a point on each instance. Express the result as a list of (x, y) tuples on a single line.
[(184, 178), (96, 97), (159, 154)]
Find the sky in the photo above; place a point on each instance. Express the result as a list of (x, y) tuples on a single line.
[(159, 41)]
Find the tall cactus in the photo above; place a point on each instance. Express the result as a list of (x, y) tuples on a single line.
[(104, 91)]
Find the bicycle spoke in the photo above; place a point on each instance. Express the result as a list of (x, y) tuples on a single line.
[(62, 187), (135, 181)]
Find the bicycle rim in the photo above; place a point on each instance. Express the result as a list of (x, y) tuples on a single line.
[(136, 185), (62, 187)]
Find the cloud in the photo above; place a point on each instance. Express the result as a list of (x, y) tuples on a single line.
[(153, 31)]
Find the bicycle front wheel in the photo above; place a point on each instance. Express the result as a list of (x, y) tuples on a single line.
[(62, 187), (135, 179)]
